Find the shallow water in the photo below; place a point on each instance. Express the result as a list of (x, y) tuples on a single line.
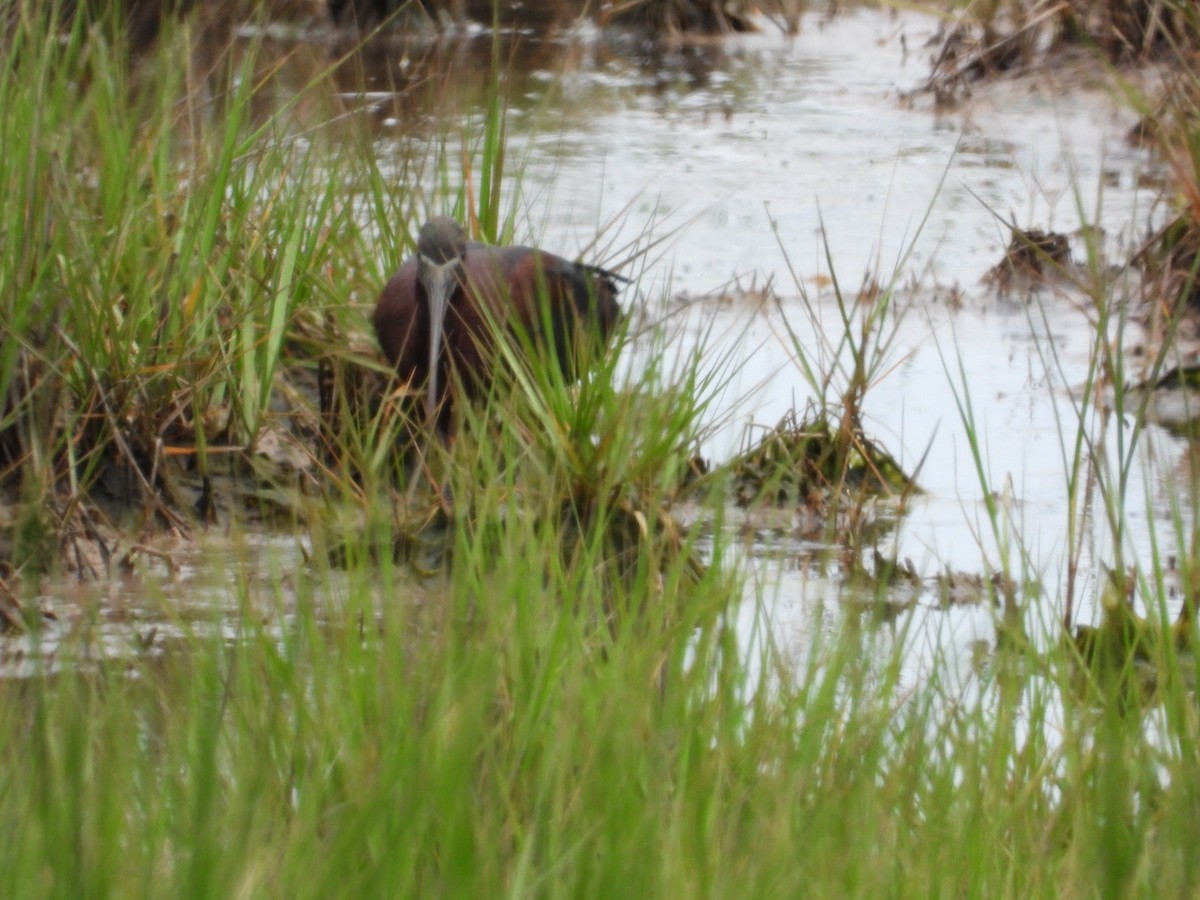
[(783, 162), (782, 151)]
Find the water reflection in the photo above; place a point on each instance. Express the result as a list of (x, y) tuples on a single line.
[(402, 84), (781, 159)]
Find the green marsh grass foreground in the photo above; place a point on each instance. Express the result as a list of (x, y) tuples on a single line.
[(566, 710)]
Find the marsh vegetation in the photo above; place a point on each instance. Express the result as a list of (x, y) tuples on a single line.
[(252, 646)]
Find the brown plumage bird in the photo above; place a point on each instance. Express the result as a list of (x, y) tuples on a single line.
[(432, 319)]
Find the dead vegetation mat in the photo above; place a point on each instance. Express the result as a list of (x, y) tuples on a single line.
[(1019, 35)]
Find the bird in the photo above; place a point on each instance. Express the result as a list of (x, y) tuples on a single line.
[(434, 317)]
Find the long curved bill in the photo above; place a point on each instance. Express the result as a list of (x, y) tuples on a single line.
[(439, 286)]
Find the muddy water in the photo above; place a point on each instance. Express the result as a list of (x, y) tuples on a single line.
[(767, 167), (787, 162), (227, 584)]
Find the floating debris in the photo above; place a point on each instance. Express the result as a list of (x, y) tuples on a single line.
[(800, 460), (1168, 260), (972, 589), (1124, 652), (1033, 257)]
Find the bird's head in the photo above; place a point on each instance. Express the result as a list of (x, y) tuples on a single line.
[(441, 246)]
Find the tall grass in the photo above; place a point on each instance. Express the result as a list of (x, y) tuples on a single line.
[(167, 238), (566, 709), (489, 739)]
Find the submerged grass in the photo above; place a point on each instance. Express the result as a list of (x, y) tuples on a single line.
[(568, 708)]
